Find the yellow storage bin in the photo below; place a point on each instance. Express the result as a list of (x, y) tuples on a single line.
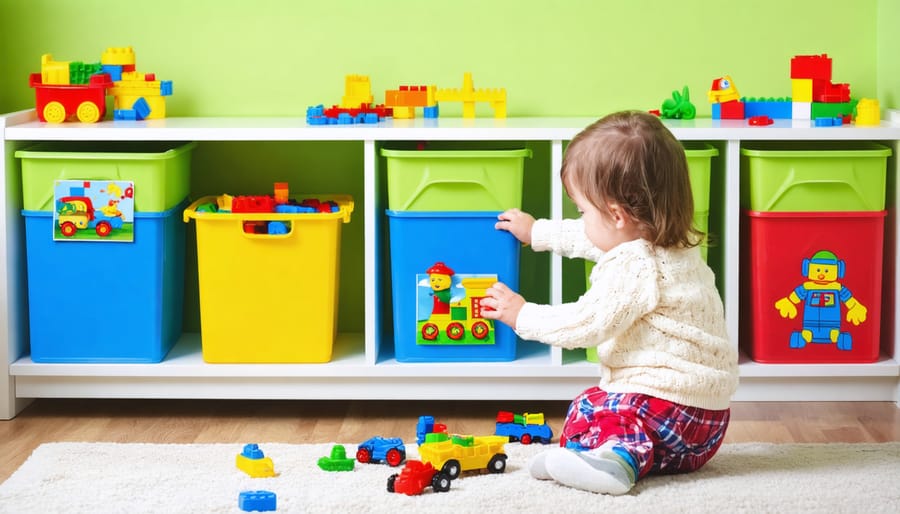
[(268, 298)]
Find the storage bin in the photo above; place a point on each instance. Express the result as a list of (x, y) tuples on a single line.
[(471, 254), (814, 176), (268, 298), (454, 180), (105, 302), (159, 170), (817, 262)]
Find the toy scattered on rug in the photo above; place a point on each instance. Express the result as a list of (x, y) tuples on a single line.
[(381, 449), (455, 454), (337, 461), (416, 476), (257, 501), (252, 461), (525, 428)]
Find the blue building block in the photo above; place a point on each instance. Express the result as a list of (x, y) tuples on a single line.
[(252, 451), (277, 227), (125, 115), (716, 111), (776, 109), (141, 108), (165, 88), (371, 117), (837, 121), (430, 112), (258, 501), (114, 70)]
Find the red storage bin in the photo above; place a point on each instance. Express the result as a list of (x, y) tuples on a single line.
[(823, 266)]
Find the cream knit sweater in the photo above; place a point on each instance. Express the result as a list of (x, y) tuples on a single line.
[(654, 315)]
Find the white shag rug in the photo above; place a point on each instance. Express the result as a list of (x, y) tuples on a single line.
[(135, 478)]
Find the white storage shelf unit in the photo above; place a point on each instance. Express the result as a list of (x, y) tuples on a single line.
[(359, 369)]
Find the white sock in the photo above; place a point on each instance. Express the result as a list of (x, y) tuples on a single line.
[(600, 470), (538, 467)]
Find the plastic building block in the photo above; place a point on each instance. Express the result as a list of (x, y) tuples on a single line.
[(868, 112), (252, 461), (416, 476), (54, 72), (357, 91), (733, 110), (257, 501), (122, 56), (801, 110), (141, 108), (58, 103), (723, 90), (125, 115), (425, 426), (811, 67), (378, 449), (831, 110), (337, 461), (526, 428), (831, 93), (456, 454), (468, 95), (253, 204), (802, 90), (776, 109), (679, 106), (759, 120), (828, 122)]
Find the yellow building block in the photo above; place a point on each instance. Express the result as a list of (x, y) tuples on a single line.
[(868, 112), (468, 95), (357, 91), (256, 468), (801, 90), (118, 56), (54, 72)]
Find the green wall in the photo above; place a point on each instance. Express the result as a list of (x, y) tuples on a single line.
[(572, 57), (566, 58)]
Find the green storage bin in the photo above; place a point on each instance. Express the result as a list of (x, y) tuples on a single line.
[(699, 159), (160, 170), (800, 176), (454, 180)]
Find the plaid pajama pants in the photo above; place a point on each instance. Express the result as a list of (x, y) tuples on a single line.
[(657, 436)]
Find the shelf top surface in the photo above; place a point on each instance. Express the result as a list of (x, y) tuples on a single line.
[(23, 126)]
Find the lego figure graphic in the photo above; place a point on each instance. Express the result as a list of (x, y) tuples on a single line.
[(822, 295), (441, 278)]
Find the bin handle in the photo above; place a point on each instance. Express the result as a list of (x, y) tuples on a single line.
[(424, 185), (786, 187)]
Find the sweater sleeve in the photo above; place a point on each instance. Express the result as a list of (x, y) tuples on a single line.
[(563, 237), (621, 292)]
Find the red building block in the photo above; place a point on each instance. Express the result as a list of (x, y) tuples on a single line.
[(733, 110), (811, 67)]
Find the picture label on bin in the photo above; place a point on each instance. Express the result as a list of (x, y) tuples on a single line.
[(448, 307), (93, 210), (820, 298)]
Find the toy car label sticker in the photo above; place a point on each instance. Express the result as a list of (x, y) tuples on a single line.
[(93, 210), (448, 307)]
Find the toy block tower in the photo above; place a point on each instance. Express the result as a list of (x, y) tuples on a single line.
[(725, 99), (357, 92), (813, 94)]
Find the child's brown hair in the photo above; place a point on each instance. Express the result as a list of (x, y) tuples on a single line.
[(630, 158)]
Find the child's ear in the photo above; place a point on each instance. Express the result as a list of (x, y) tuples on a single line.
[(618, 215)]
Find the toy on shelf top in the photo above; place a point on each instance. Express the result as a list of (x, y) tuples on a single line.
[(73, 90), (401, 103), (813, 97)]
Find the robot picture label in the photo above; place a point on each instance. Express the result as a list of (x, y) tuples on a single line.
[(448, 307), (822, 295)]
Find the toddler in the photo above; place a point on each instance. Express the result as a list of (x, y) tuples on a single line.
[(667, 368)]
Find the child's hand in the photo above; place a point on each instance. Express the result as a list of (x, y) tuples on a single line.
[(517, 223), (502, 304)]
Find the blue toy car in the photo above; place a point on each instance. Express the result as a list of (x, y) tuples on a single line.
[(378, 449)]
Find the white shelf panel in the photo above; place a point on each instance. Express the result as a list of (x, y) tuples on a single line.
[(363, 366), (484, 129)]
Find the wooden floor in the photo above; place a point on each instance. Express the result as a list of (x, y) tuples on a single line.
[(320, 421)]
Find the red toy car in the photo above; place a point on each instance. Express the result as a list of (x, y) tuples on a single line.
[(415, 477)]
